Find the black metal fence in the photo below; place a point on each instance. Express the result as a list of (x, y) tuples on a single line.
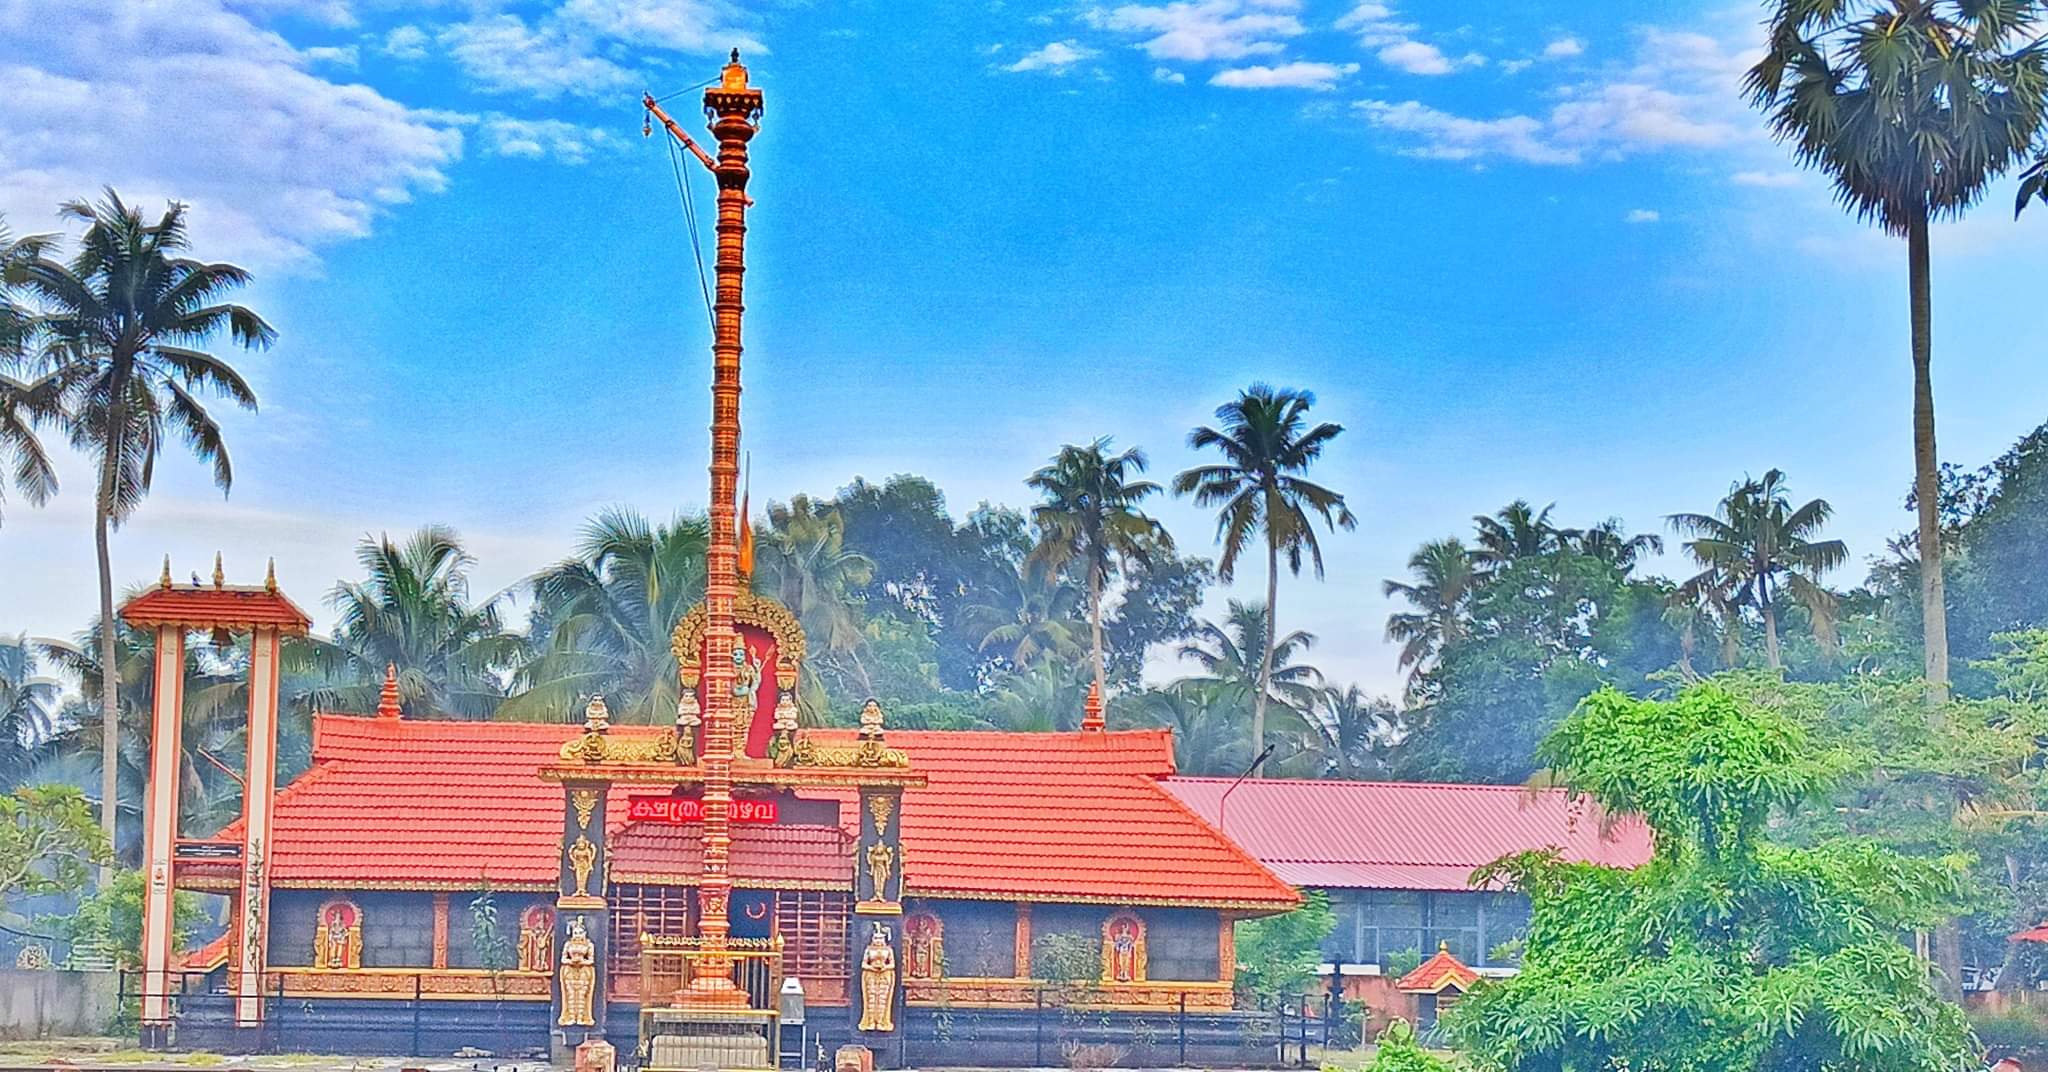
[(403, 1018), (1290, 1034)]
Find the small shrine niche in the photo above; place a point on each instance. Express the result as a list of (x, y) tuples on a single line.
[(338, 935), (537, 940), (924, 947), (768, 651), (1123, 948)]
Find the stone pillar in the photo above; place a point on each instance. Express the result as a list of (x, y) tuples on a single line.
[(259, 792), (877, 908), (582, 923), (160, 831)]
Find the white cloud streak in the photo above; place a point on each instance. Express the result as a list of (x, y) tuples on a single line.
[(1196, 30), (1299, 75), (1056, 58)]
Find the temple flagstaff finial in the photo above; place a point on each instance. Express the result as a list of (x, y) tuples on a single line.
[(220, 577), (269, 576), (165, 580), (388, 703)]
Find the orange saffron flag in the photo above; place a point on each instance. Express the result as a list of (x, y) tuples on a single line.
[(746, 564)]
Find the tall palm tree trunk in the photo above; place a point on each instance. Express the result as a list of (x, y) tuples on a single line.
[(1771, 637), (1926, 475), (110, 679), (1095, 623), (1266, 656)]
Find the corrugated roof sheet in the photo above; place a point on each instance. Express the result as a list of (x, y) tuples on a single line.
[(1405, 835), (1011, 816)]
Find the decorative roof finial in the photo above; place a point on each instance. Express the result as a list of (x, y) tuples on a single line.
[(165, 580), (597, 718), (220, 577), (1091, 712), (735, 55), (270, 577), (871, 720), (388, 705)]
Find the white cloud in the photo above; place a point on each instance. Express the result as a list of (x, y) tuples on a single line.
[(1168, 75), (1376, 24), (1441, 135), (586, 47), (680, 25), (1379, 27), (1415, 57), (1681, 92), (407, 43), (1196, 30), (1767, 179), (1641, 215), (1055, 58), (1515, 66), (502, 54), (1299, 75), (344, 56), (505, 135), (274, 160), (1563, 48)]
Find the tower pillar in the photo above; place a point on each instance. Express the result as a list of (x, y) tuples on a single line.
[(160, 831)]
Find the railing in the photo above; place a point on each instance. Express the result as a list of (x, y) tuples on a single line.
[(1053, 1031), (394, 1011), (683, 1025)]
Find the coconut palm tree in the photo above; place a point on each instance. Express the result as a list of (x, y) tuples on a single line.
[(602, 620), (412, 611), (26, 400), (1516, 530), (1235, 654), (1912, 108), (805, 565), (121, 325), (1611, 543), (1445, 577), (1755, 547), (1258, 488), (28, 707), (1048, 696), (1090, 519), (1350, 729), (1033, 621), (1204, 717)]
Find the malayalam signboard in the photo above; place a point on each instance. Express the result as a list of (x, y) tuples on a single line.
[(691, 810)]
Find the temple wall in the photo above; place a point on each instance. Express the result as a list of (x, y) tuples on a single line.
[(398, 926), (981, 936), (1181, 943)]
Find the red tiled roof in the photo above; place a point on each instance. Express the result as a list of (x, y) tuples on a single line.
[(208, 606), (407, 803), (1404, 835), (2031, 934), (796, 854), (207, 957), (1438, 973)]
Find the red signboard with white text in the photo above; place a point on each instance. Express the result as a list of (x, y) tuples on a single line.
[(691, 810)]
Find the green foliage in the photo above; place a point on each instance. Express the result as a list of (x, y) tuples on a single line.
[(50, 840), (1755, 551), (1397, 1050), (2019, 1032), (1277, 956), (1072, 963), (492, 944), (1727, 951), (112, 918), (1400, 962)]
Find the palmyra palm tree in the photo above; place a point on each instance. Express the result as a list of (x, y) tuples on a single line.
[(603, 619), (1445, 575), (1091, 518), (121, 325), (1258, 488), (1755, 546), (412, 611), (1912, 108)]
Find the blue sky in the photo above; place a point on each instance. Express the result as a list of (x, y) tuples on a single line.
[(1535, 250)]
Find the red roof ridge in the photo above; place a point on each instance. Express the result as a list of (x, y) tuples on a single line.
[(1338, 783), (1229, 843)]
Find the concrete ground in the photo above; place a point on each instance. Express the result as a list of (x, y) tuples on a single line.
[(121, 1055)]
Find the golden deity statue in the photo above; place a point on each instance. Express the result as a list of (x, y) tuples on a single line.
[(578, 977), (878, 983)]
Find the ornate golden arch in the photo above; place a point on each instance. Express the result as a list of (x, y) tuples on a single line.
[(762, 613)]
